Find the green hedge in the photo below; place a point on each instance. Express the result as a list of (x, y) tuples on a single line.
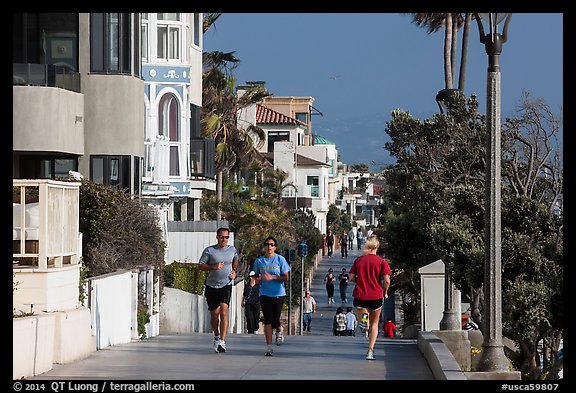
[(185, 276)]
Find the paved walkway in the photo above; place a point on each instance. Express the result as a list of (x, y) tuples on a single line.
[(317, 355)]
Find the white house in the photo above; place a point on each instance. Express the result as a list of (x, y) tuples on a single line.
[(178, 161)]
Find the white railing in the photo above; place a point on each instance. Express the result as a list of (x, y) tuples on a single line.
[(45, 224)]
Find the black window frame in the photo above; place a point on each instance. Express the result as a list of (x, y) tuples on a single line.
[(277, 136), (124, 171), (30, 166), (100, 30)]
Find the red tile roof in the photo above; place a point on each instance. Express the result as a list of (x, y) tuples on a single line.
[(266, 115)]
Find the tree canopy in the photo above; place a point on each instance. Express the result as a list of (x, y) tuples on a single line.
[(434, 196)]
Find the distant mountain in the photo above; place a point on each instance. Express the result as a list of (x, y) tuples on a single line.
[(359, 139)]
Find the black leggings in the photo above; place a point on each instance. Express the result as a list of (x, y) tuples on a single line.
[(330, 290), (252, 312), (272, 309)]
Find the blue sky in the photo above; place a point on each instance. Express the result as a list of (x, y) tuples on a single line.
[(360, 67)]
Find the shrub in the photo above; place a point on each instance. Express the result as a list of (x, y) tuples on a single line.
[(118, 232), (185, 276)]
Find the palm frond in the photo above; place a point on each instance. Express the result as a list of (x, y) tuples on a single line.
[(209, 20)]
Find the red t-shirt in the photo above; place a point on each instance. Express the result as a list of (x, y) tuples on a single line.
[(369, 270)]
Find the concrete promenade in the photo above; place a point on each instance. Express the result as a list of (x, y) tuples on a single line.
[(317, 355)]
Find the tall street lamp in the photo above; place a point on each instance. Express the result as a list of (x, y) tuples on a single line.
[(492, 357), (451, 319)]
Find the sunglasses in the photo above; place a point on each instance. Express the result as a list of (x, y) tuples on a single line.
[(224, 237), (270, 244)]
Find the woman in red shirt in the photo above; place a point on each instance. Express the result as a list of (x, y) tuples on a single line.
[(368, 272)]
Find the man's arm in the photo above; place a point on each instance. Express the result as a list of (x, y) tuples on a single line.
[(233, 273)]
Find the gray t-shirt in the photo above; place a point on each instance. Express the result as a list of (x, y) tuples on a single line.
[(214, 254)]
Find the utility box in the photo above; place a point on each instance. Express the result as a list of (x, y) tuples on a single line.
[(431, 295)]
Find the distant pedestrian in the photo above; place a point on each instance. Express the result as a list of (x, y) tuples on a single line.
[(471, 325), (273, 272), (389, 328), (220, 261), (351, 321), (368, 272), (308, 310), (359, 238), (329, 280), (251, 303), (330, 243), (344, 244), (351, 239), (343, 284), (339, 323), (369, 232)]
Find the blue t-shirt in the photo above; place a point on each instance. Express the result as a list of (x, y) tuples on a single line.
[(276, 266)]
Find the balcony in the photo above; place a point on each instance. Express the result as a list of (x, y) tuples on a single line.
[(157, 160), (47, 244), (27, 74), (50, 235)]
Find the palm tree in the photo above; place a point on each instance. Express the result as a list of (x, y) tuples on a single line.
[(220, 110), (209, 20), (276, 182), (452, 23)]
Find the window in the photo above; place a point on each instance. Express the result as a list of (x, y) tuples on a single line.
[(168, 16), (45, 38), (195, 131), (169, 31), (174, 161), (312, 181), (302, 116), (332, 164), (137, 55), (110, 43), (112, 170), (144, 33), (38, 167), (197, 27), (137, 177), (169, 125), (168, 117), (276, 136)]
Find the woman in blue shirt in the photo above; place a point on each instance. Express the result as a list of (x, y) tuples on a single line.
[(272, 272)]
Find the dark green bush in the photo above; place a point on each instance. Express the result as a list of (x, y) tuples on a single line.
[(185, 276)]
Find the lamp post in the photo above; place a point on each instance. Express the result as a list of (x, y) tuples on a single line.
[(451, 315), (492, 357)]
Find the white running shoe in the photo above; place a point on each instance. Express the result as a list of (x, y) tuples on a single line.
[(279, 338), (269, 352), (222, 346), (216, 343), (370, 355)]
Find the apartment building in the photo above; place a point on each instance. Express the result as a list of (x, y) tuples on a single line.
[(77, 97)]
